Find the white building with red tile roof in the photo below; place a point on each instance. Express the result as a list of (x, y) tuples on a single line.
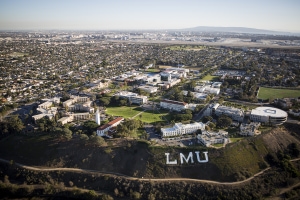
[(102, 130)]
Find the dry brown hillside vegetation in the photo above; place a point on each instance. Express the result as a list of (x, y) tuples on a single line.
[(237, 161)]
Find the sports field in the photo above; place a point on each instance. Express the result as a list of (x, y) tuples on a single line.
[(271, 93)]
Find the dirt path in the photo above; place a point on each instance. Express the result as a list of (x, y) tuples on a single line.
[(34, 168)]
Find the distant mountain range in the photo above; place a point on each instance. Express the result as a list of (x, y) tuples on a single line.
[(236, 30)]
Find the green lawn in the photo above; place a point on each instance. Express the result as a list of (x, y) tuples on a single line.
[(210, 78), (152, 70), (150, 117), (236, 139), (123, 111), (271, 93), (218, 145), (145, 116)]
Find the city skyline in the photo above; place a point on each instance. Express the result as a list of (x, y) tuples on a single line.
[(140, 15)]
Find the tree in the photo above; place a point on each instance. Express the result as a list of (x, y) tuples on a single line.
[(207, 119), (105, 101), (16, 124), (84, 137), (67, 133), (192, 84), (198, 108), (199, 131), (224, 121), (220, 101), (89, 127), (212, 125)]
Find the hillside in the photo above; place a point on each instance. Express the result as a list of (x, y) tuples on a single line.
[(237, 161)]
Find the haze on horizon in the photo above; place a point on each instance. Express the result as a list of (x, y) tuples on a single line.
[(277, 15)]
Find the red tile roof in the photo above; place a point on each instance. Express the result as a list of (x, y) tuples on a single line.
[(115, 120), (111, 123), (174, 102)]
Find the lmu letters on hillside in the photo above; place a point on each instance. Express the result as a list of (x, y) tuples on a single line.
[(189, 158)]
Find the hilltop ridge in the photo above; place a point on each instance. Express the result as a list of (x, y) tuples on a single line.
[(237, 161)]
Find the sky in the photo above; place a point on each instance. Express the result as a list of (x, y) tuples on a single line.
[(278, 15)]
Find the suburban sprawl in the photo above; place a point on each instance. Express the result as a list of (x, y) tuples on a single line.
[(169, 89)]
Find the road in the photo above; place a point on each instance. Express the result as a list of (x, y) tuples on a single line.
[(135, 178), (199, 115)]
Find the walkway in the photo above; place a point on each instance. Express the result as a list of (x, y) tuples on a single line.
[(134, 178)]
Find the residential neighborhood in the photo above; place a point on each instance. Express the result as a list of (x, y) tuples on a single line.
[(67, 76), (149, 100)]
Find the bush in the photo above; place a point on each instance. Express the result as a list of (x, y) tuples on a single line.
[(96, 140)]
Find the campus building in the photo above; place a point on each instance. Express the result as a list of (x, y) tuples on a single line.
[(209, 138), (104, 129), (46, 109), (70, 117), (45, 105), (173, 105), (268, 115), (218, 110), (148, 89), (207, 89), (84, 107), (182, 129), (75, 99), (250, 129), (234, 113), (210, 110), (133, 97), (50, 113)]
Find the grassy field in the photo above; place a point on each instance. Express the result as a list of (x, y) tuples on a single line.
[(124, 111), (236, 139), (209, 78), (144, 116), (152, 70), (271, 93), (150, 117)]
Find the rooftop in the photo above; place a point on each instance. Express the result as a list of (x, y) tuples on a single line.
[(268, 111)]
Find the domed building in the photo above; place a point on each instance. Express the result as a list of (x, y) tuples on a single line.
[(268, 115)]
